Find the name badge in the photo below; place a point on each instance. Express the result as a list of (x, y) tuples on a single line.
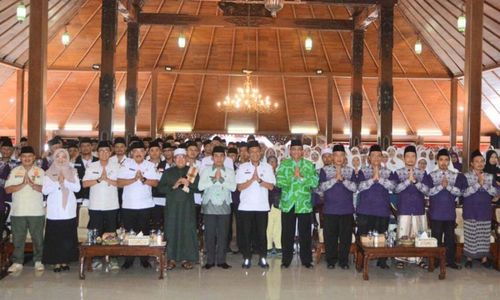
[(132, 169), (95, 172), (78, 165)]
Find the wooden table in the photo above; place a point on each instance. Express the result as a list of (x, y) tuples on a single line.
[(87, 252), (365, 254)]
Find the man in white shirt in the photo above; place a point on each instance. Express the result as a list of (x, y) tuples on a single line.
[(100, 177), (208, 160), (25, 185), (137, 176), (254, 178)]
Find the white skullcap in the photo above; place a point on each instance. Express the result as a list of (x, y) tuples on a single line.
[(179, 151), (326, 151)]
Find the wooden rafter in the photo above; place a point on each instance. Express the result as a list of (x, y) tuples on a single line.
[(365, 17), (346, 117), (423, 103), (82, 97), (368, 101)]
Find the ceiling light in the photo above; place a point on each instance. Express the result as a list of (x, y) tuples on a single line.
[(181, 40), (461, 108), (273, 6), (78, 127), (11, 100), (304, 130), (240, 130), (418, 47), (65, 38), (51, 127), (429, 132), (308, 44), (461, 23), (169, 68), (177, 128), (319, 71), (21, 12), (96, 67)]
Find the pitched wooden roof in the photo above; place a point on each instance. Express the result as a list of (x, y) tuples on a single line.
[(210, 66)]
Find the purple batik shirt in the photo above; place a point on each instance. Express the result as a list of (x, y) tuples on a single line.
[(411, 196), (477, 198), (374, 195), (337, 195), (442, 200)]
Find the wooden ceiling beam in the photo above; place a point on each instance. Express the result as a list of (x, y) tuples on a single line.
[(10, 65), (129, 9), (336, 74), (364, 18), (309, 2), (239, 22)]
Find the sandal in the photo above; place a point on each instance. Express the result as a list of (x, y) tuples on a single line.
[(171, 265), (423, 265), (400, 265), (187, 265)]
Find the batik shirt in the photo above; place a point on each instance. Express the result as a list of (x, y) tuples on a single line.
[(477, 198), (411, 199), (337, 194), (374, 195), (443, 200), (296, 192)]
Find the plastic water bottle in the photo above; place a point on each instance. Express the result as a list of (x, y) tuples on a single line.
[(375, 238)]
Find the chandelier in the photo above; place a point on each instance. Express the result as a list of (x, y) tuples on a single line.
[(247, 99), (273, 6)]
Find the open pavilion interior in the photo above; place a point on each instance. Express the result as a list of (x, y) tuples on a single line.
[(122, 72)]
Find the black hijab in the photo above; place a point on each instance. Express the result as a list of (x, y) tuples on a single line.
[(491, 169)]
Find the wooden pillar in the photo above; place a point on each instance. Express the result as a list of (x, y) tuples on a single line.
[(357, 86), (472, 78), (132, 74), (107, 79), (19, 105), (154, 101), (329, 111), (385, 85), (453, 111), (37, 83)]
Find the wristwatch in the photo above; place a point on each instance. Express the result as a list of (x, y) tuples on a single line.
[(259, 181), (98, 181), (143, 180)]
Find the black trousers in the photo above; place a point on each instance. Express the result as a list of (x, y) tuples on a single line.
[(370, 223), (137, 220), (2, 222), (337, 233), (103, 220), (120, 200), (446, 229), (256, 240), (157, 217), (288, 221), (216, 227)]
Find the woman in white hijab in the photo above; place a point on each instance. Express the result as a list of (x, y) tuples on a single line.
[(316, 159), (393, 163), (61, 181), (422, 164)]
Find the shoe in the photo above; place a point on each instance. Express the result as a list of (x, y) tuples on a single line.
[(454, 266), (468, 264), (224, 266), (187, 265), (145, 264), (383, 265), (246, 264), (127, 265), (208, 266), (263, 263), (344, 266), (15, 268), (486, 264), (57, 269), (270, 252), (113, 264), (308, 265), (171, 265), (97, 264), (285, 265), (279, 252), (330, 266), (65, 268), (39, 266), (400, 265)]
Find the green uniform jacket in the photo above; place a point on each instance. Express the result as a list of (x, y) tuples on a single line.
[(296, 192)]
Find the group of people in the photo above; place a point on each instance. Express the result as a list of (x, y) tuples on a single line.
[(243, 193)]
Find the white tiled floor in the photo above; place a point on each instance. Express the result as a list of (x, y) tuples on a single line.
[(255, 283)]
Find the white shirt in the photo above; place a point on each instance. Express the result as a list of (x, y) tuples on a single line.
[(102, 196), (208, 162), (255, 197), (137, 195), (114, 159), (55, 209)]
